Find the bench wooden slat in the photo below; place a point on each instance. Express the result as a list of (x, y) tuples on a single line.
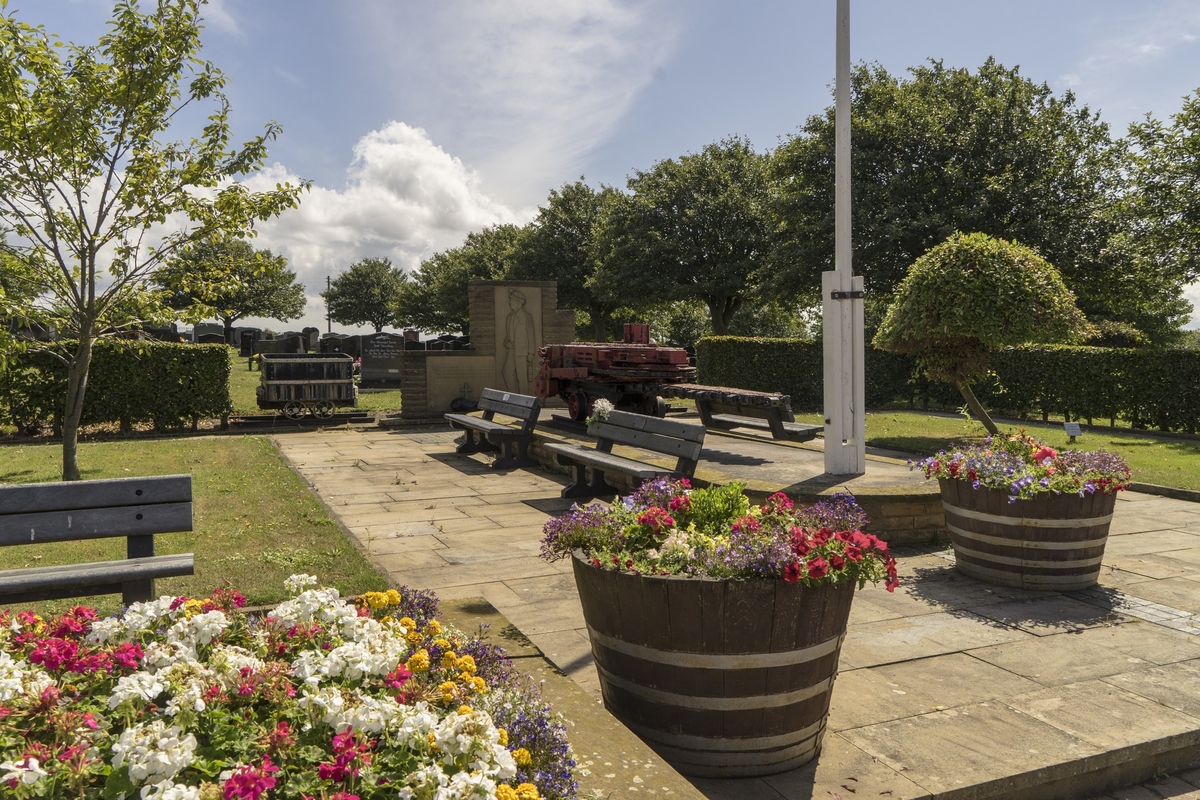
[(478, 423), (32, 497), (687, 431), (78, 580), (639, 469), (795, 429), (94, 523), (666, 445)]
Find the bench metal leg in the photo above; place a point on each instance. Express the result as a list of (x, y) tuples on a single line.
[(582, 487), (475, 442), (138, 591), (515, 453)]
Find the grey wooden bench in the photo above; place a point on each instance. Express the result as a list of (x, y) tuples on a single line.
[(484, 434), (779, 420), (666, 437), (136, 508)]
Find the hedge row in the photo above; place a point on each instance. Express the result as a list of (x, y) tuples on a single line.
[(1156, 388), (129, 382)]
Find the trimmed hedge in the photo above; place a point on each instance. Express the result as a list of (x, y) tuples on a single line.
[(128, 382), (1151, 388)]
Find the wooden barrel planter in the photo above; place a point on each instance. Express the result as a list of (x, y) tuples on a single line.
[(1052, 542), (723, 678)]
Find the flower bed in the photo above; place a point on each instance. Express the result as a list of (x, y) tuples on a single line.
[(1025, 467), (323, 697), (668, 528)]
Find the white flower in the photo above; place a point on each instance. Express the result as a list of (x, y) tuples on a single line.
[(108, 631), (161, 655), (153, 752), (416, 725), (27, 771), (199, 629), (188, 682), (17, 677), (428, 781), (297, 583), (167, 790), (143, 686)]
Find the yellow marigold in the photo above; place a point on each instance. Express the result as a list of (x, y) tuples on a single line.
[(414, 638), (523, 757), (393, 597), (433, 628), (432, 740), (466, 664), (449, 660), (503, 737), (388, 620), (210, 791), (442, 643), (465, 710), (408, 623), (506, 792), (192, 607), (418, 661), (527, 791), (480, 684), (376, 599), (447, 691)]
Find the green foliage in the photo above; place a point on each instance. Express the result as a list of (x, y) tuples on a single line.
[(1107, 333), (231, 280), (437, 299), (86, 169), (695, 228), (1149, 387), (560, 245), (158, 382), (366, 294), (714, 507), (971, 295)]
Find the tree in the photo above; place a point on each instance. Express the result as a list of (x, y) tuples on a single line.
[(692, 229), (950, 150), (366, 294), (438, 299), (561, 245), (969, 296), (232, 280), (86, 173)]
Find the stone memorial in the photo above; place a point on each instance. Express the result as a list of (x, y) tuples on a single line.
[(312, 339), (207, 329), (382, 361), (510, 320)]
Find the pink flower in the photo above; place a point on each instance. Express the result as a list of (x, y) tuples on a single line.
[(1044, 453), (396, 678), (817, 567), (54, 653), (248, 783), (778, 503), (836, 562), (128, 655), (682, 502), (792, 572), (656, 518)]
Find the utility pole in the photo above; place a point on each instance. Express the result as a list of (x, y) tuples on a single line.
[(842, 298), (328, 320)]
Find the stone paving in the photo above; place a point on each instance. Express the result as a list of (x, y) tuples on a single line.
[(948, 687)]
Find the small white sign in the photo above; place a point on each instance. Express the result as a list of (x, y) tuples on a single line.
[(1072, 429)]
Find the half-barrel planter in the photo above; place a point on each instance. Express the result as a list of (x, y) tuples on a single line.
[(1052, 542), (721, 677)]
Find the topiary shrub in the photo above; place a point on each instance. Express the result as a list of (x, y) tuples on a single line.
[(970, 296)]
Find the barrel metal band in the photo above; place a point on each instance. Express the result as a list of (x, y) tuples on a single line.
[(724, 744), (1029, 522), (1029, 581), (679, 658), (749, 703), (1028, 562), (1003, 541), (757, 758)]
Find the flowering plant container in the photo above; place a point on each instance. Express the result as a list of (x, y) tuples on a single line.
[(1022, 514), (716, 626), (323, 697)]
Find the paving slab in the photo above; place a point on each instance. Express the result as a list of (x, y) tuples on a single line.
[(948, 688)]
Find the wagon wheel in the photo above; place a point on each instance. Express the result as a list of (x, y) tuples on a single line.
[(578, 406), (293, 410), (323, 409)]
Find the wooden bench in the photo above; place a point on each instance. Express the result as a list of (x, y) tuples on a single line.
[(136, 508), (779, 420), (666, 437), (486, 435)]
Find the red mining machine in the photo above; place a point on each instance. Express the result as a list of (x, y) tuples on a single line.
[(636, 375)]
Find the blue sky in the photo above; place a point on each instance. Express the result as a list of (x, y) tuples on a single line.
[(421, 121)]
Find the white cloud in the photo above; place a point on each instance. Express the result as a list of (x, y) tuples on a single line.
[(405, 198), (217, 15), (525, 88), (1192, 294)]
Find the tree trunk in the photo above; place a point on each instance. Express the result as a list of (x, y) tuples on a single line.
[(599, 329), (77, 375), (721, 309), (228, 330), (977, 408)]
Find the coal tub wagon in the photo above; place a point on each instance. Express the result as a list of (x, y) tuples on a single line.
[(307, 383)]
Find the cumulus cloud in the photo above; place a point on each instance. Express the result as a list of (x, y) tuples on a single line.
[(405, 198), (523, 88)]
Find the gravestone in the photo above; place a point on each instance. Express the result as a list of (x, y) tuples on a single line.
[(382, 361), (312, 341), (293, 343), (246, 341), (211, 338), (207, 329)]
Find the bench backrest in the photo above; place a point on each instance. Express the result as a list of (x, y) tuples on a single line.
[(747, 410), (63, 512), (524, 407), (668, 437)]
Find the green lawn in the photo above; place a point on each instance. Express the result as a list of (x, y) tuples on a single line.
[(1153, 459), (243, 381), (255, 521)]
